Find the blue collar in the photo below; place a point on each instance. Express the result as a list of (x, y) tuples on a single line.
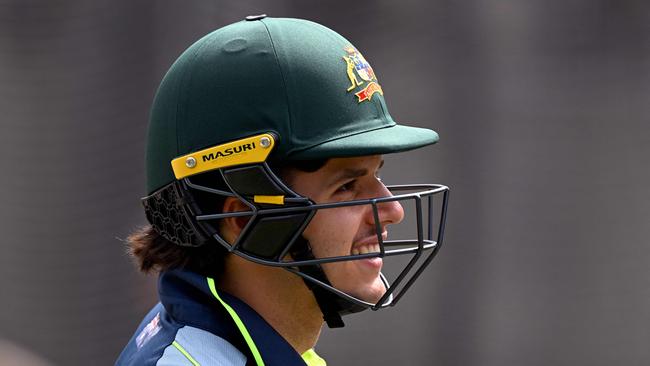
[(187, 297)]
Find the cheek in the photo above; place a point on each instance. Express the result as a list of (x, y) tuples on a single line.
[(331, 232)]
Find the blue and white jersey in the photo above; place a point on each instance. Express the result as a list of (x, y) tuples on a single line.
[(196, 324)]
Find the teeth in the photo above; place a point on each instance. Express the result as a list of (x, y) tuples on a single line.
[(365, 249)]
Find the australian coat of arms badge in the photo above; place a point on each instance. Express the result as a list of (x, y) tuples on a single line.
[(361, 75)]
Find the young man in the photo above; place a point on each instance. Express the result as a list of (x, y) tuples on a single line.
[(267, 214)]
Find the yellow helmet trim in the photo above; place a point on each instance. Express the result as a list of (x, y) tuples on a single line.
[(248, 150), (274, 200)]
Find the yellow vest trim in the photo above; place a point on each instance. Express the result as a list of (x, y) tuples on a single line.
[(240, 324), (185, 353), (311, 358)]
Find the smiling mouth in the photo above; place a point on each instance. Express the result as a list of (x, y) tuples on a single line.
[(373, 264), (365, 249), (369, 245)]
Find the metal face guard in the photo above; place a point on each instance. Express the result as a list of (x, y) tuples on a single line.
[(279, 228), (422, 249), (271, 232)]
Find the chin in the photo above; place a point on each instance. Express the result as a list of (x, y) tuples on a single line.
[(371, 293)]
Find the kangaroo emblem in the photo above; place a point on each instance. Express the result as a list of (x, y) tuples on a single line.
[(354, 82)]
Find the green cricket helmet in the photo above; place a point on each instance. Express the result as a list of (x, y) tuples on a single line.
[(274, 90)]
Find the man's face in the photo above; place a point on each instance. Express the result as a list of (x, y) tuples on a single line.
[(348, 230)]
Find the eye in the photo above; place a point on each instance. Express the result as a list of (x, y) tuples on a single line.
[(346, 187)]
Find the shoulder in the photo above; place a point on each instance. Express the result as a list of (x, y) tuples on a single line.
[(194, 346), (162, 340)]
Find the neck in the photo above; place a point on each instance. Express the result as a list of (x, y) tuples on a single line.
[(278, 296)]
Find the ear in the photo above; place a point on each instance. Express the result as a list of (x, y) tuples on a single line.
[(231, 227)]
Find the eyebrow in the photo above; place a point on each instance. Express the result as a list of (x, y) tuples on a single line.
[(352, 173)]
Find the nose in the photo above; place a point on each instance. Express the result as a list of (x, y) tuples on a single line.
[(390, 212)]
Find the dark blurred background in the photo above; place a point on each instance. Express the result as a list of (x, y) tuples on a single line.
[(543, 108)]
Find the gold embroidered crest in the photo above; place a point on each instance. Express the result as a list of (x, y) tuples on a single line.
[(361, 74)]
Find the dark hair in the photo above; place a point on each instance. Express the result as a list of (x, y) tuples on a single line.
[(152, 252)]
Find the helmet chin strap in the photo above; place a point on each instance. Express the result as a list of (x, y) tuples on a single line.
[(332, 306)]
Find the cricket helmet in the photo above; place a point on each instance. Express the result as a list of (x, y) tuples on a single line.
[(257, 93)]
